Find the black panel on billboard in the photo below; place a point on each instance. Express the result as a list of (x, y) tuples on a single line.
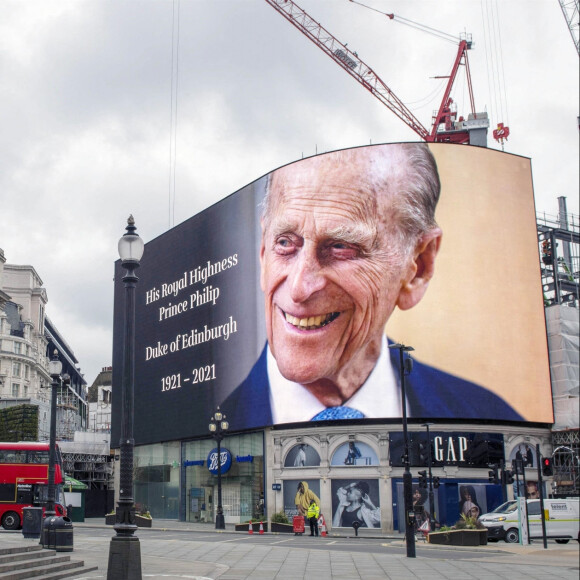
[(196, 313)]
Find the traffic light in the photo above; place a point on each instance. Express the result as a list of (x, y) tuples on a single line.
[(436, 482), (424, 452), (493, 474), (547, 252), (547, 467), (508, 476), (423, 478)]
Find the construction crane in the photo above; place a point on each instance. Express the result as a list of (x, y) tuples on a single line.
[(446, 128), (570, 10)]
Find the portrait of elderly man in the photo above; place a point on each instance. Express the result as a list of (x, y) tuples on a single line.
[(347, 237)]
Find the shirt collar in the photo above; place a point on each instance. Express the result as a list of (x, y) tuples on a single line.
[(379, 396)]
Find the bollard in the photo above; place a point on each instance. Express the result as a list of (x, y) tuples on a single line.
[(322, 525)]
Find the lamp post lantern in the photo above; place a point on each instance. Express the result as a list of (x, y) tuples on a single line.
[(217, 427), (406, 365), (124, 550), (54, 369), (429, 466)]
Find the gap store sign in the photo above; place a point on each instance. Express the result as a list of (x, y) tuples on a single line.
[(448, 448)]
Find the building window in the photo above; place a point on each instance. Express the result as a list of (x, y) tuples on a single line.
[(16, 369), (25, 391), (15, 390), (26, 372), (17, 347)]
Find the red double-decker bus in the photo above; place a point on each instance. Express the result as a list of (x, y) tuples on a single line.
[(24, 481)]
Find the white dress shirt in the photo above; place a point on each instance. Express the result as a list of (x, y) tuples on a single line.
[(379, 395)]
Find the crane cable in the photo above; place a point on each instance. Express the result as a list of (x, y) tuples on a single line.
[(173, 109), (494, 59), (412, 23), (433, 32)]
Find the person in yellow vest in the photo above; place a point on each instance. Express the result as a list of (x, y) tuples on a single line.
[(313, 513), (303, 498)]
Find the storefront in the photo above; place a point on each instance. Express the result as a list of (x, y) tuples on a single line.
[(357, 472), (345, 467), (156, 477), (242, 462)]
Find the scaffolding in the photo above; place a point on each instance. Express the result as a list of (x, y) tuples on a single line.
[(559, 244), (88, 462), (68, 413), (566, 462)]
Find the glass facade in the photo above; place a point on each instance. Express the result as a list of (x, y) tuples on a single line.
[(242, 484), (156, 478)]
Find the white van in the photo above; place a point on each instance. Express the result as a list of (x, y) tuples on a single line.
[(562, 521)]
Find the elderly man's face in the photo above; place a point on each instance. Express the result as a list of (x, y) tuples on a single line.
[(331, 273)]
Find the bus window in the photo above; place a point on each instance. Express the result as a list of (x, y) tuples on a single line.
[(40, 494), (38, 456)]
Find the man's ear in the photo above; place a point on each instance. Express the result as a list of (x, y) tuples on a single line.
[(421, 270), (262, 251)]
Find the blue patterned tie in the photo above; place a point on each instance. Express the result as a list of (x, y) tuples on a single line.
[(337, 413)]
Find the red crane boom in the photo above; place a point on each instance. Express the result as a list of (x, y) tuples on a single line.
[(445, 128)]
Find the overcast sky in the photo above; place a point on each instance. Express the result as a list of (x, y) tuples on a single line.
[(86, 107)]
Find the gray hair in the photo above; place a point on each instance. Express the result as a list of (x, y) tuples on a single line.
[(407, 172)]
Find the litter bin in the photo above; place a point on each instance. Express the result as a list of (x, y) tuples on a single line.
[(57, 534), (31, 522)]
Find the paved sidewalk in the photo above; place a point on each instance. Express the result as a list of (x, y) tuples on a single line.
[(184, 555)]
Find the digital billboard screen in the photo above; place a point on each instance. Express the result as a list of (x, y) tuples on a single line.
[(280, 302)]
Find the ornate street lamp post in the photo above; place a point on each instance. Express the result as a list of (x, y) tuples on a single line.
[(125, 551), (406, 366), (54, 369), (217, 427)]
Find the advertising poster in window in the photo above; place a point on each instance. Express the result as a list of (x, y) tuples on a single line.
[(279, 302), (298, 494), (354, 453), (472, 500), (302, 455), (355, 500)]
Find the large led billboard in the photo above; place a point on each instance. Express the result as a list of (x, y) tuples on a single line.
[(279, 303)]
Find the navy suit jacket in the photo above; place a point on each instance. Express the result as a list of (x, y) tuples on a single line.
[(431, 394)]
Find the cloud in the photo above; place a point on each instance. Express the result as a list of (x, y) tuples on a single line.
[(86, 107)]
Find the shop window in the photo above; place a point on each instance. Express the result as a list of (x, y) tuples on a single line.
[(302, 455), (472, 500), (157, 479), (356, 500), (292, 497), (242, 484), (355, 453), (525, 454)]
